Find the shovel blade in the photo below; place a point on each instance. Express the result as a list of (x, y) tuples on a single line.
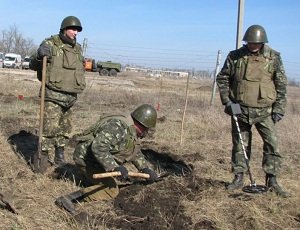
[(40, 163)]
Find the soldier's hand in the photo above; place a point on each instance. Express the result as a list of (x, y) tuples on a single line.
[(276, 117), (43, 50), (227, 109), (122, 170), (153, 176), (232, 108)]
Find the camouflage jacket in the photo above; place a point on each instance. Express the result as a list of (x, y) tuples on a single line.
[(234, 72), (111, 141)]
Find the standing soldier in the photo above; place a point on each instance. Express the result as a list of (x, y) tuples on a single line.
[(64, 80), (105, 147), (253, 77)]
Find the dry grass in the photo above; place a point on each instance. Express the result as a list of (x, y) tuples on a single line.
[(206, 145)]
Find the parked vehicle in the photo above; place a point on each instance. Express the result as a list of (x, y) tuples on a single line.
[(12, 60), (1, 59), (90, 65), (25, 62), (107, 68)]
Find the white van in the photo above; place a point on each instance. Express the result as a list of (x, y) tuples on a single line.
[(1, 59), (12, 60), (25, 62)]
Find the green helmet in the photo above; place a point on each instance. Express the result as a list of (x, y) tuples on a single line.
[(71, 21), (255, 34), (146, 115)]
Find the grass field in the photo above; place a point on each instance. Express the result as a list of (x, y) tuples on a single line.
[(193, 139)]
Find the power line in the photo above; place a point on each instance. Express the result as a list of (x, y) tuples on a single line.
[(152, 56)]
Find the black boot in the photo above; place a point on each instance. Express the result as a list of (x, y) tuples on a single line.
[(237, 182), (59, 158), (273, 186), (67, 201)]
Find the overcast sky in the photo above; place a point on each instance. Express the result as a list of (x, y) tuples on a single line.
[(161, 33)]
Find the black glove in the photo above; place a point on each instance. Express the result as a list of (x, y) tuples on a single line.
[(122, 170), (153, 176), (232, 108), (43, 50), (276, 117)]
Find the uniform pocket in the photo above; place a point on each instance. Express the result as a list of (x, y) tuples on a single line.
[(267, 94), (54, 78), (79, 80), (69, 58)]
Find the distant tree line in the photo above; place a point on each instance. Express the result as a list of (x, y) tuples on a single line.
[(294, 82), (12, 41)]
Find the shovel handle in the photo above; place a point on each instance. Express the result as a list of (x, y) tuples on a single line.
[(42, 105), (37, 167), (114, 174)]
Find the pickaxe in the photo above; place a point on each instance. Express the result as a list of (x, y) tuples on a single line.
[(7, 203), (130, 174)]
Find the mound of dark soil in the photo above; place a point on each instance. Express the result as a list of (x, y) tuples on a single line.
[(140, 205)]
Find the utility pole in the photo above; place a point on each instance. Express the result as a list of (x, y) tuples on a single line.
[(84, 46), (240, 22), (215, 78)]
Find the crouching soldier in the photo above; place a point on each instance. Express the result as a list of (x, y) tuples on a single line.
[(105, 147)]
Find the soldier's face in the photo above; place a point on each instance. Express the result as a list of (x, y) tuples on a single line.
[(141, 131), (71, 32), (254, 47)]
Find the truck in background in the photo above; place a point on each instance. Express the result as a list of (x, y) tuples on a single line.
[(90, 65), (12, 60), (107, 68)]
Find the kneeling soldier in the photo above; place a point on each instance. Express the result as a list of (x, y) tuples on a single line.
[(105, 147)]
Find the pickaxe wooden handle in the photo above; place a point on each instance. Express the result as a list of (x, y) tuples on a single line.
[(114, 174)]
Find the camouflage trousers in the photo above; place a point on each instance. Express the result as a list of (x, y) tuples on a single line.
[(97, 189), (271, 158), (57, 126)]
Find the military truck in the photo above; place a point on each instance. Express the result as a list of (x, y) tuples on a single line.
[(108, 68), (90, 65)]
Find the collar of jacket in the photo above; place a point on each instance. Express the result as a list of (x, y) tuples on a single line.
[(67, 40)]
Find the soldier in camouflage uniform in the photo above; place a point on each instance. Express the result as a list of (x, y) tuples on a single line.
[(64, 80), (253, 77), (105, 147)]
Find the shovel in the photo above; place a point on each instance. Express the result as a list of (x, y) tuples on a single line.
[(253, 187), (40, 161)]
